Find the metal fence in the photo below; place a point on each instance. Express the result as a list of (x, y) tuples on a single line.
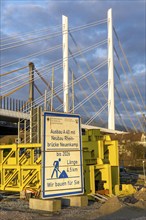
[(12, 104)]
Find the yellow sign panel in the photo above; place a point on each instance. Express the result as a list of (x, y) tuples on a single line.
[(62, 155)]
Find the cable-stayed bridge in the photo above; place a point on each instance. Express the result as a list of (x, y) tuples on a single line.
[(94, 80)]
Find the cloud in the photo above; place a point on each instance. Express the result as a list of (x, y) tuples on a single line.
[(24, 17)]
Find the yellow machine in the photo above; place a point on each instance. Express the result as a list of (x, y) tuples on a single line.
[(20, 165), (101, 163)]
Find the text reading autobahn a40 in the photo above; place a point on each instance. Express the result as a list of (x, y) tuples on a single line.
[(62, 155)]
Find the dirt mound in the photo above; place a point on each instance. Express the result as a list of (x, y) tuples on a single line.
[(140, 204), (111, 205)]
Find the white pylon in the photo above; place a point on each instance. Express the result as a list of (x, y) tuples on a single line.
[(111, 108), (65, 61)]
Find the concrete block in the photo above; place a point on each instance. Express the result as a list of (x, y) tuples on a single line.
[(22, 194), (79, 201), (28, 196), (51, 205)]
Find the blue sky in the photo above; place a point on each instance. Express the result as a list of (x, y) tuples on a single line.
[(129, 19)]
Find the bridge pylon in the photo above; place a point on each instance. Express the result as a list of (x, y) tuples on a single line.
[(111, 108)]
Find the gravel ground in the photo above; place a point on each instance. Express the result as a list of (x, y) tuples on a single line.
[(128, 208)]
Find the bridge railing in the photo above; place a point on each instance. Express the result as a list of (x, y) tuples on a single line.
[(12, 104)]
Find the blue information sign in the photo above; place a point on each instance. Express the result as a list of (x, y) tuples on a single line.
[(62, 167)]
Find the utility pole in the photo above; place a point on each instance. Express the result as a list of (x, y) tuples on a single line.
[(111, 108), (65, 61)]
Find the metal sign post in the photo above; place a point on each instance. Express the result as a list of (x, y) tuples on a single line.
[(62, 168)]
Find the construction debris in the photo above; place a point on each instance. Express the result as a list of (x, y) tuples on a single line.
[(141, 194), (111, 205), (130, 199)]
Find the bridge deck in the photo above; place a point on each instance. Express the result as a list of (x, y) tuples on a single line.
[(105, 130), (13, 115)]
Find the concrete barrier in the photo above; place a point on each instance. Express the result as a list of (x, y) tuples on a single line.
[(51, 205), (79, 201)]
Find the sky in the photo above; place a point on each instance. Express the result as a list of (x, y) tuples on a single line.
[(35, 19)]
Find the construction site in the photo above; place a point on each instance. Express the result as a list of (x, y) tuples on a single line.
[(108, 191), (56, 163), (111, 179)]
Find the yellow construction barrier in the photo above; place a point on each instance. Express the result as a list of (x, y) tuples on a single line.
[(20, 166)]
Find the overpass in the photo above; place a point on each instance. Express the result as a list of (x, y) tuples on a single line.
[(13, 116)]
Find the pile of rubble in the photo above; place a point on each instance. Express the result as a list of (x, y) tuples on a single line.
[(141, 194)]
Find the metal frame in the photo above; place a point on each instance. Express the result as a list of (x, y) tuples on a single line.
[(19, 167)]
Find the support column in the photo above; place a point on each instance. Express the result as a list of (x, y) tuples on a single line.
[(52, 90), (40, 135), (1, 102), (38, 124), (65, 61), (73, 101), (45, 100), (30, 127), (18, 132), (111, 110), (31, 82), (31, 96), (24, 131)]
